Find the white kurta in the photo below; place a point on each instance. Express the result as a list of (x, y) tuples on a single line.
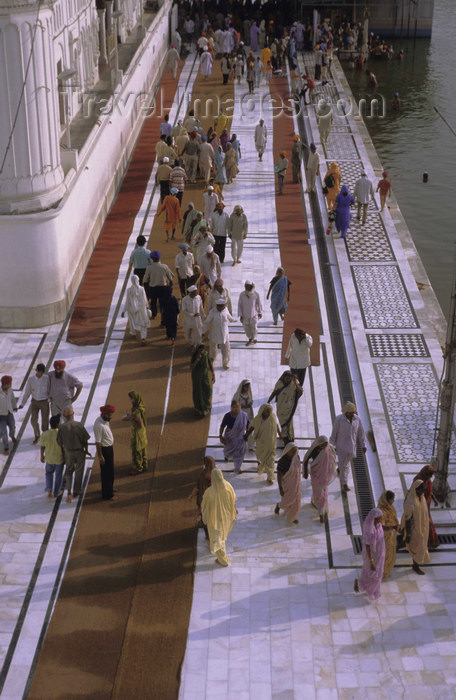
[(218, 321), (209, 270), (192, 324), (201, 244), (249, 305), (261, 137), (210, 199)]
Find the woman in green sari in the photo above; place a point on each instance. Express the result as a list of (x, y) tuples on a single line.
[(203, 377), (138, 437)]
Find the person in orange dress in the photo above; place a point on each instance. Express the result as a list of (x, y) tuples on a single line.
[(332, 176), (173, 215)]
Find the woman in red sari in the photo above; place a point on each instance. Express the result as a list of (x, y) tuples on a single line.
[(425, 475)]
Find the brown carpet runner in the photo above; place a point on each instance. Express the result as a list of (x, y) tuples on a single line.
[(303, 311)]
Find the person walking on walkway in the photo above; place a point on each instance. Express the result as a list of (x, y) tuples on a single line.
[(173, 215), (415, 525), (344, 201), (138, 436), (201, 240), (206, 61), (73, 438), (170, 314), (193, 313), (264, 430), (363, 192), (137, 308), (63, 388), (230, 163), (210, 201), (172, 61), (202, 484), (104, 442), (177, 179), (203, 377), (331, 186), (287, 393), (324, 119), (219, 333), (390, 525), (52, 456), (279, 289), (258, 71), (210, 265), (281, 170), (219, 226), (218, 511), (157, 277), (237, 230), (298, 353), (346, 433), (219, 291), (322, 458), (7, 408), (370, 580), (183, 263), (384, 187), (289, 481), (191, 156), (206, 160), (140, 258), (225, 66), (297, 153), (261, 138), (220, 171), (232, 432), (312, 168), (250, 311), (425, 475), (37, 386), (243, 395)]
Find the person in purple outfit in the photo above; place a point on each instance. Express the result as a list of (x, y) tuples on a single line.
[(344, 201), (254, 34)]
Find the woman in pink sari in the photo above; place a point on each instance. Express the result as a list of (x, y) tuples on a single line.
[(289, 479), (322, 458), (373, 556)]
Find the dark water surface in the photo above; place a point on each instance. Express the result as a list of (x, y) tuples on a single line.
[(415, 140)]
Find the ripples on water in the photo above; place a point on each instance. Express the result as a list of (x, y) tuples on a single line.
[(415, 140)]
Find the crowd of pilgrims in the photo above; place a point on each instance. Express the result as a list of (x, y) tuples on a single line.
[(207, 310), (185, 153)]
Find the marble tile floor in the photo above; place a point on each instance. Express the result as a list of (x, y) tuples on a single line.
[(279, 622)]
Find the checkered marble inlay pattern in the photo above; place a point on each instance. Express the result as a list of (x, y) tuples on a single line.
[(382, 297), (411, 422), (340, 146), (397, 345), (368, 242)]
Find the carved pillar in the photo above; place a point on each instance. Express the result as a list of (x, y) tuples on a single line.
[(103, 60), (31, 178)]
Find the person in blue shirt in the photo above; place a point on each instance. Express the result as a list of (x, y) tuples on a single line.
[(139, 259)]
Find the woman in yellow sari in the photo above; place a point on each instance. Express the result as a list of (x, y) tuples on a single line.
[(265, 57), (220, 123), (332, 176), (138, 436), (218, 511), (390, 525)]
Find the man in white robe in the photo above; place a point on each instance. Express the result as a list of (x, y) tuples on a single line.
[(219, 334), (210, 265), (193, 313), (347, 431), (219, 292), (249, 311), (137, 308), (210, 201), (261, 137), (172, 60), (206, 63)]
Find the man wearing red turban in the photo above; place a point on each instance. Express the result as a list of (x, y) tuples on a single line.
[(104, 441), (64, 388)]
